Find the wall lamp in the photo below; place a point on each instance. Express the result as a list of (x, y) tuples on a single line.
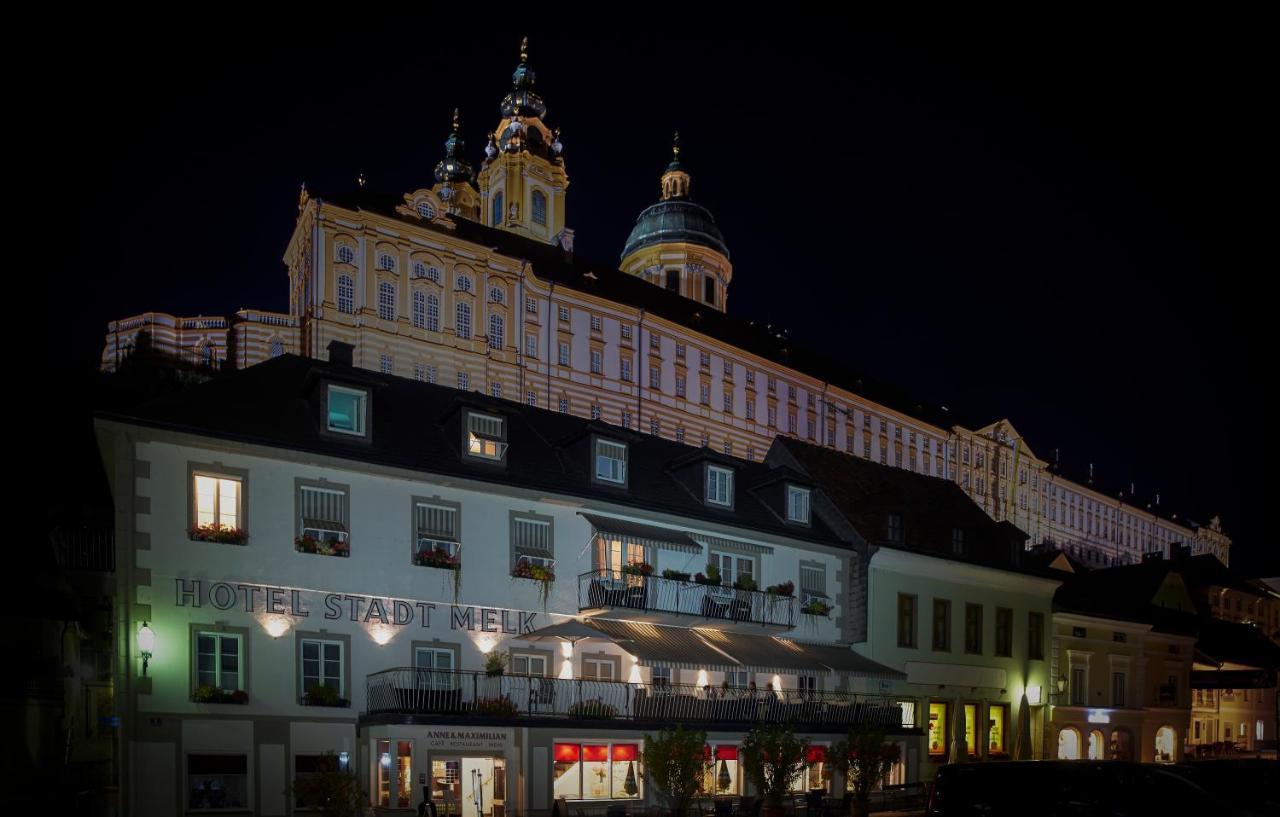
[(146, 644)]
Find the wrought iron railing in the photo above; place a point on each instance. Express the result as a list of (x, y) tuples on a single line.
[(409, 690), (85, 548), (601, 589)]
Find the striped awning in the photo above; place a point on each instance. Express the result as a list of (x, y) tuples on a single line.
[(731, 545), (845, 661), (659, 645), (650, 536), (762, 653)]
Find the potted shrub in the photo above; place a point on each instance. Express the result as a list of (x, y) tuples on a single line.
[(495, 663), (637, 569), (787, 589), (224, 534), (745, 583), (863, 758), (712, 576), (676, 575), (772, 757), (674, 761)]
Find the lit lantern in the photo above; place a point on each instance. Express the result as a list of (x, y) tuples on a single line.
[(146, 645)]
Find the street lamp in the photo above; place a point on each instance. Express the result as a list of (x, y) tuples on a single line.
[(1062, 684), (146, 644)]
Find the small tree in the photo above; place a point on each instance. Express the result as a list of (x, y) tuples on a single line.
[(772, 758), (863, 758), (329, 791), (674, 761)]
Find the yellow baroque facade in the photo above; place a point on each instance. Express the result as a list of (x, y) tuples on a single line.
[(472, 282)]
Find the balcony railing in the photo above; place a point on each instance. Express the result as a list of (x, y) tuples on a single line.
[(602, 589), (408, 690), (85, 548)]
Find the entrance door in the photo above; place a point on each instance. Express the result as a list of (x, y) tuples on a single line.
[(469, 786)]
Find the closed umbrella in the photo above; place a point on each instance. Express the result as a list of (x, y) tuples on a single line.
[(1022, 739), (959, 745)]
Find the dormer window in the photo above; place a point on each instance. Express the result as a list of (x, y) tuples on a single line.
[(486, 436), (719, 486), (611, 462), (957, 541), (797, 504), (894, 528), (346, 409)]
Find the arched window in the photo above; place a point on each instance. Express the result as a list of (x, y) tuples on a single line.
[(464, 282), (433, 274), (387, 301), (206, 353), (426, 210), (462, 321), (539, 207), (419, 309), (386, 261), (496, 295), (496, 332), (1095, 745), (277, 347), (1166, 745), (419, 270), (1069, 744), (497, 209), (433, 313), (346, 294), (346, 255)]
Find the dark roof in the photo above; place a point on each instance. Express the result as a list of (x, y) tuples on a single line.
[(673, 221), (551, 263), (865, 493), (275, 403), (1229, 641)]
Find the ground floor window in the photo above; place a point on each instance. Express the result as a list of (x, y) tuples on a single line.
[(971, 729), (723, 772), (817, 775), (1257, 730), (1121, 743), (395, 773), (1069, 744), (1095, 745), (596, 771), (937, 728), (217, 782), (469, 786), (997, 723), (1166, 744)]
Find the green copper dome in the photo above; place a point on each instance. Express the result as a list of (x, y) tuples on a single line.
[(675, 221)]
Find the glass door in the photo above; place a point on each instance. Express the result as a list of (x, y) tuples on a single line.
[(476, 787)]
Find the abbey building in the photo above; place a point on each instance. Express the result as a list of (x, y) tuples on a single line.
[(472, 282)]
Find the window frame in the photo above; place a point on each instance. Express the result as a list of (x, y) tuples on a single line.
[(516, 517), (807, 494), (913, 639), (727, 473), (322, 637), (973, 615), (219, 630), (597, 442), (945, 606), (217, 470), (365, 397), (500, 441), (300, 483)]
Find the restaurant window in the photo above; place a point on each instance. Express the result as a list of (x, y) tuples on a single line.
[(395, 773), (1096, 743), (1004, 632), (816, 776), (973, 629), (346, 409), (734, 568), (906, 620), (942, 625), (997, 724), (661, 677), (601, 668), (938, 728), (217, 782), (722, 773), (908, 713), (1035, 636), (971, 729), (597, 771)]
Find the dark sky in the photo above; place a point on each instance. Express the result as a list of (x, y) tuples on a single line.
[(1060, 225)]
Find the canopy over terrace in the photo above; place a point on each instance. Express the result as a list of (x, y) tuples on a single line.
[(710, 649), (1231, 655)]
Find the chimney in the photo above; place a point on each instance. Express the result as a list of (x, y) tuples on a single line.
[(341, 353)]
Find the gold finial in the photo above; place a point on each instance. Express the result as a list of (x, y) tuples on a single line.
[(455, 120), (675, 146), (524, 50), (302, 197)]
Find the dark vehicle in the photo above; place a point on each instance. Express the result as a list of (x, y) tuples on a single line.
[(1251, 783), (1074, 788)]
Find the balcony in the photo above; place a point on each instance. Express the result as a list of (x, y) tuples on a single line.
[(672, 601), (476, 695)]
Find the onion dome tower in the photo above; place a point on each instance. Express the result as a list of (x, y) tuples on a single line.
[(522, 179), (676, 243), (455, 178)]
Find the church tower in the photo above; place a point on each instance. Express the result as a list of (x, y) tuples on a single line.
[(522, 179), (455, 180), (677, 245)]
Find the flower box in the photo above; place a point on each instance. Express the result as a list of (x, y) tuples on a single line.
[(638, 569), (324, 696), (532, 570), (816, 607), (212, 695), (675, 575), (787, 589), (321, 547), (439, 558), (222, 534)]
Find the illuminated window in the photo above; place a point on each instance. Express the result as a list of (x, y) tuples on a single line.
[(938, 728), (486, 436), (346, 410), (971, 729), (394, 763), (217, 501), (997, 724), (597, 771)]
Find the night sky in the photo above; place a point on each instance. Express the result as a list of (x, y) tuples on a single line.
[(1060, 226)]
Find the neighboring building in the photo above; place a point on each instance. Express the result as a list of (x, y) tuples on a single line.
[(1144, 661), (944, 594), (472, 283), (328, 559)]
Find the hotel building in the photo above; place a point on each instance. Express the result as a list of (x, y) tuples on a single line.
[(472, 282)]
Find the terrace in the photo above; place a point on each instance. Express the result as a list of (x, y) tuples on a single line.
[(655, 599)]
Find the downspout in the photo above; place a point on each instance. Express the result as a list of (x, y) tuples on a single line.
[(642, 371), (520, 340)]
